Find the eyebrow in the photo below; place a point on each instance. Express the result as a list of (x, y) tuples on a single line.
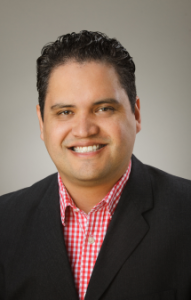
[(110, 101), (61, 105)]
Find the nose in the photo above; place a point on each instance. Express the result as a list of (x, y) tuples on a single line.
[(85, 127)]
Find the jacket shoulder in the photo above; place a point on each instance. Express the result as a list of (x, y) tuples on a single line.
[(160, 175), (166, 188), (171, 192), (15, 203), (168, 181), (36, 186)]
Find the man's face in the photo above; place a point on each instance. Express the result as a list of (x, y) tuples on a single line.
[(89, 128)]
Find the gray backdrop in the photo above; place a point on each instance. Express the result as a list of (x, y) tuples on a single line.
[(156, 33)]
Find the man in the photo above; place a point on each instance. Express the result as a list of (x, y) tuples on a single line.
[(106, 226)]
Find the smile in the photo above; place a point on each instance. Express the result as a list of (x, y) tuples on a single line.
[(87, 149)]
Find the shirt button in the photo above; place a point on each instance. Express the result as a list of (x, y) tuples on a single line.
[(76, 209), (91, 240)]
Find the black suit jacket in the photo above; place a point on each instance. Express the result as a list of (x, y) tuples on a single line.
[(146, 254)]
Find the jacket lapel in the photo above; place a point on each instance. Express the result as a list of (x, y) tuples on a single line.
[(52, 248), (126, 230)]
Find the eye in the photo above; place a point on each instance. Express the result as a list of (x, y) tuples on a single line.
[(106, 108), (66, 112)]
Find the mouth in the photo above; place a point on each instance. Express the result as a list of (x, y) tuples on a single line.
[(87, 149)]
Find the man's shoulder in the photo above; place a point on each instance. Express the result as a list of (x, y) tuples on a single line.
[(162, 177), (169, 196), (170, 190), (163, 182), (32, 193), (24, 211)]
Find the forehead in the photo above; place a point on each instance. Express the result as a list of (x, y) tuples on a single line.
[(84, 84), (74, 76)]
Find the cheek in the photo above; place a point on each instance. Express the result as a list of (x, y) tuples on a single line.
[(125, 135), (54, 134)]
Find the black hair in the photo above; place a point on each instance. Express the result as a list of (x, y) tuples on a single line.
[(81, 47)]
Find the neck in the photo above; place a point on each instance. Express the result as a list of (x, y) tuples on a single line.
[(86, 197)]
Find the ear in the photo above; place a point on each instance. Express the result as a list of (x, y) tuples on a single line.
[(138, 115), (41, 123)]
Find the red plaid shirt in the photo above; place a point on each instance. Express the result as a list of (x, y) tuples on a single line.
[(84, 233)]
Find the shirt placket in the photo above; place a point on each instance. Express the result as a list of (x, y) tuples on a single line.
[(83, 222), (87, 249)]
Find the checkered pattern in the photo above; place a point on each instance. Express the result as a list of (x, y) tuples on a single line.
[(84, 233)]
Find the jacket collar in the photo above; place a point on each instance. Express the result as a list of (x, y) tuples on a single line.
[(53, 251), (126, 230)]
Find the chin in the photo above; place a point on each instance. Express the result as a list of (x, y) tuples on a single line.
[(88, 177)]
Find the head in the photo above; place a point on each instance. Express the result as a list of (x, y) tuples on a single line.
[(83, 47), (88, 110)]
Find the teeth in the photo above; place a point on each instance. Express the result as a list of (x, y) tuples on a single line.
[(86, 149)]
